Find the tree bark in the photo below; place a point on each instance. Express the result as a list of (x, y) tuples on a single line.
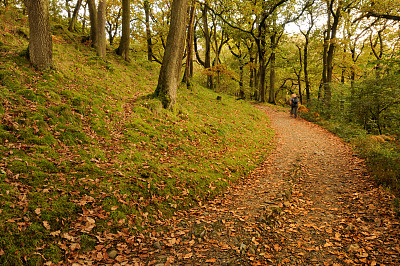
[(72, 23), (147, 11), (261, 74), (189, 47), (207, 59), (305, 66), (305, 56), (260, 41), (168, 79), (272, 73), (84, 18), (40, 43), (123, 49), (331, 45), (93, 22), (101, 29), (324, 63), (299, 75)]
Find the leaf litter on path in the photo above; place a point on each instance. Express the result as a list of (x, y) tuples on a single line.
[(310, 203)]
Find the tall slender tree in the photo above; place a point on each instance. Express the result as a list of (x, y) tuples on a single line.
[(189, 47), (74, 18), (329, 49), (170, 71), (147, 11), (207, 37), (306, 35)]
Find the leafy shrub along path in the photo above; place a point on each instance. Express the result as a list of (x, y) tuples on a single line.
[(311, 202)]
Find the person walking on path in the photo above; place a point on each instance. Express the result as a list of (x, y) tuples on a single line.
[(294, 103)]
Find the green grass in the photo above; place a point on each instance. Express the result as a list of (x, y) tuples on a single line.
[(85, 141)]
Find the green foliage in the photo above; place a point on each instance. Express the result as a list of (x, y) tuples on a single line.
[(365, 116)]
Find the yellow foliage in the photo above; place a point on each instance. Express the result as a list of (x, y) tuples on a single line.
[(382, 138)]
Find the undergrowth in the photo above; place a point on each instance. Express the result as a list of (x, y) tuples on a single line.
[(382, 153), (86, 151)]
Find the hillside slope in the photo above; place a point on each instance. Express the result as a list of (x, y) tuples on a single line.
[(86, 151)]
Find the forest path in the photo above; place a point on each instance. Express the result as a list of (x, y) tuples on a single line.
[(310, 203)]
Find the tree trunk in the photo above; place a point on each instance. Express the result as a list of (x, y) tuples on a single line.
[(93, 22), (189, 47), (251, 74), (67, 8), (305, 66), (40, 43), (272, 73), (168, 79), (329, 58), (72, 23), (261, 76), (84, 19), (101, 29), (207, 59), (147, 10), (299, 75), (260, 41), (272, 78), (123, 49)]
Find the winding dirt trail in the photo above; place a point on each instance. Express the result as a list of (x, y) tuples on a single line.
[(311, 203)]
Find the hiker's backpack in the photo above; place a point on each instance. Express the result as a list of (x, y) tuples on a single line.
[(294, 101)]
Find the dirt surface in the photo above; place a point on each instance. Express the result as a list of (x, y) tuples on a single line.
[(311, 203)]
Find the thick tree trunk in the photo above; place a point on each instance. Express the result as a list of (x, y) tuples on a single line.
[(207, 59), (72, 23), (147, 10), (123, 49), (93, 22), (40, 42), (101, 29), (168, 79)]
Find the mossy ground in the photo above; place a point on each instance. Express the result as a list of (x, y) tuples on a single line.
[(85, 149)]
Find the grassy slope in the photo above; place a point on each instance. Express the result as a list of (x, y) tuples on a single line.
[(84, 150)]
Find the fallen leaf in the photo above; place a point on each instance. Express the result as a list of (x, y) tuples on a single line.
[(55, 233), (74, 246), (46, 225), (188, 256)]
